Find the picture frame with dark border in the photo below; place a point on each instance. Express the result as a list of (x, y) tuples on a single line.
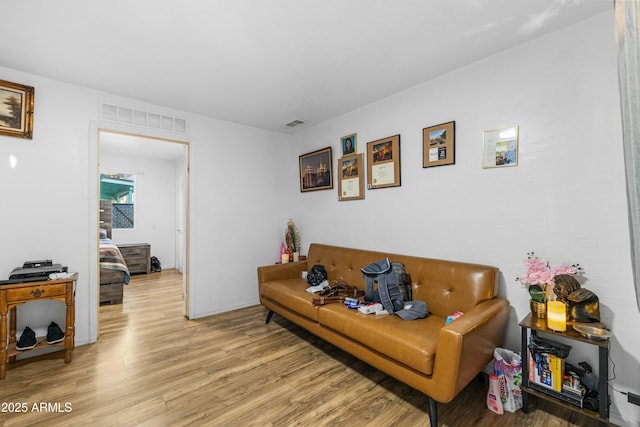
[(439, 145), (316, 170), (351, 177), (500, 147), (16, 109), (349, 144), (383, 163)]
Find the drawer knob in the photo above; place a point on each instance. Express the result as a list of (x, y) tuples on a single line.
[(36, 293)]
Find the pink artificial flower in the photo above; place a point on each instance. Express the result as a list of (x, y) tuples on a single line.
[(565, 269), (540, 273)]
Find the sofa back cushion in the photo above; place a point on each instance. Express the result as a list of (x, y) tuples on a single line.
[(446, 286)]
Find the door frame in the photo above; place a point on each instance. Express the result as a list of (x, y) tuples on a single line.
[(96, 128)]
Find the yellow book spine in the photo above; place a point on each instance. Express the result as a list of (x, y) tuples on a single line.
[(556, 365)]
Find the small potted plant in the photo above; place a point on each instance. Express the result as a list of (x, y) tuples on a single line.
[(540, 280)]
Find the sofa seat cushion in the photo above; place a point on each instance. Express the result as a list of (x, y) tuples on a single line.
[(412, 343), (292, 294)]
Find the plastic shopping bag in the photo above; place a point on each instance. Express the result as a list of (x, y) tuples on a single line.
[(508, 366)]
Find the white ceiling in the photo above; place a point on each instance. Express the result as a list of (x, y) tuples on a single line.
[(265, 63)]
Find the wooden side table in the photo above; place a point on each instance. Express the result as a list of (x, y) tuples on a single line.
[(534, 324), (11, 296)]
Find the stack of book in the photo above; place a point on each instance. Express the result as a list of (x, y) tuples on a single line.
[(547, 375)]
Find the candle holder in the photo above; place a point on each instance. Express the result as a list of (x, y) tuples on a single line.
[(556, 316)]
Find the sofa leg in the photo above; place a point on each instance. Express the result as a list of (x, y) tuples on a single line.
[(433, 413), (269, 316)]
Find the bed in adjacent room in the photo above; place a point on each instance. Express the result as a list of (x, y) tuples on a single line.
[(114, 273)]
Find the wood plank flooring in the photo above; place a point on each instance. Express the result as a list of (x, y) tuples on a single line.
[(153, 367)]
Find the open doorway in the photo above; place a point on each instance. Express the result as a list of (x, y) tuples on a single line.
[(156, 223)]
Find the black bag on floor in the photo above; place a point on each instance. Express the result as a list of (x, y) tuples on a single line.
[(155, 264)]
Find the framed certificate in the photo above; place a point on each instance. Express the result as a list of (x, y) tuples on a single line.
[(500, 148), (351, 177), (438, 145), (383, 163)]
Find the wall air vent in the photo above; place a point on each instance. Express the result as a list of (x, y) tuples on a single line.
[(132, 116), (294, 123)]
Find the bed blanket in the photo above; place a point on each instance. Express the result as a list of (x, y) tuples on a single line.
[(111, 259)]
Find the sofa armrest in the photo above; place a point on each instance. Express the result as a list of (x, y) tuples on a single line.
[(466, 345), (290, 270)]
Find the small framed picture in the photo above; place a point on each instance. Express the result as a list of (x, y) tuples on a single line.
[(351, 177), (500, 148), (348, 144), (438, 145), (383, 163), (16, 110), (315, 170)]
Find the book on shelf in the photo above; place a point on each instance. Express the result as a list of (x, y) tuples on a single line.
[(546, 370)]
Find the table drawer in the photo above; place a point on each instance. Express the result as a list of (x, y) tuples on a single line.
[(33, 292), (137, 265), (138, 251), (137, 256)]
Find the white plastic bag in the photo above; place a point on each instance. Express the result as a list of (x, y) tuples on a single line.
[(508, 366)]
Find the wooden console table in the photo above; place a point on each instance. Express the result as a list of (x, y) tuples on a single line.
[(13, 295)]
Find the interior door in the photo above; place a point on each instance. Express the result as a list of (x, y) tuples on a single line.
[(180, 246)]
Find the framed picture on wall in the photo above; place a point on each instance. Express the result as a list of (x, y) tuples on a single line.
[(383, 163), (351, 177), (315, 170), (16, 110), (500, 148), (348, 144), (438, 145)]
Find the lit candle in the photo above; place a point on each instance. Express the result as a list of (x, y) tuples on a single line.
[(557, 316), (285, 258)]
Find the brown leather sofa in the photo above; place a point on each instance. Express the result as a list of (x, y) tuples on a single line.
[(437, 359)]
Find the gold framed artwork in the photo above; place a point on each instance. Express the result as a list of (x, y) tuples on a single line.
[(16, 110), (348, 144), (438, 145), (351, 177), (500, 147), (383, 163), (315, 170)]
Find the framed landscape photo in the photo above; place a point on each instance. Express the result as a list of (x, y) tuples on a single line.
[(315, 170), (348, 144), (351, 177), (438, 145), (500, 148), (16, 110), (383, 163)]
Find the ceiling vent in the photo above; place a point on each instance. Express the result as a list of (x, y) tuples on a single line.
[(118, 113), (294, 123)]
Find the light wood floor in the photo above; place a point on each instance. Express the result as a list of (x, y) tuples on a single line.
[(152, 367)]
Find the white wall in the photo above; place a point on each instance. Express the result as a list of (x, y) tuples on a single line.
[(565, 200), (50, 210), (155, 203)]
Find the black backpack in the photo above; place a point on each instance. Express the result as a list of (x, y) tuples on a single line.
[(316, 275), (155, 264)]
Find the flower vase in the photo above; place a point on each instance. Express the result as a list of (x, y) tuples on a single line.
[(538, 309)]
